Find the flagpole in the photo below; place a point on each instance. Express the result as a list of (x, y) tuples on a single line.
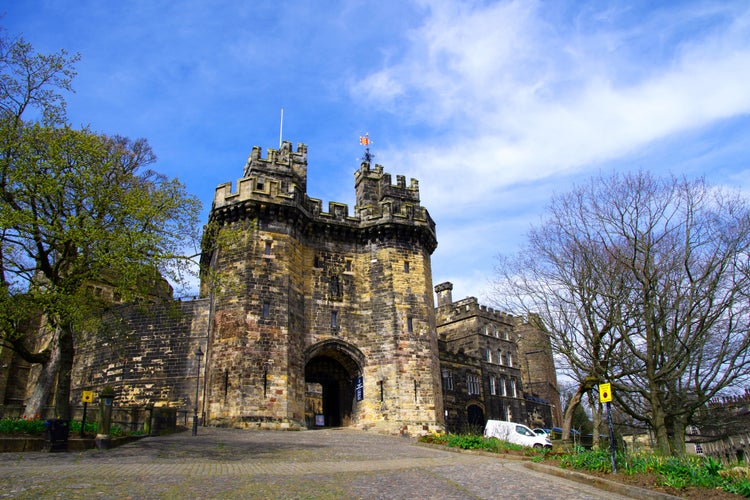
[(281, 126)]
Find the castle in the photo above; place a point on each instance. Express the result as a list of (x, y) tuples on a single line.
[(312, 318)]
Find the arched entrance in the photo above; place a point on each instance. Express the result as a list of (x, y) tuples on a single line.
[(475, 417), (331, 371)]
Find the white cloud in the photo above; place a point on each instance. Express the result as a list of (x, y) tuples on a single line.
[(513, 100), (524, 101)]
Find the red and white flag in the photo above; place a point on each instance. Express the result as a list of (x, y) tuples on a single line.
[(364, 141)]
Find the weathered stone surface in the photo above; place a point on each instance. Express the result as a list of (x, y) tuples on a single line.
[(319, 299)]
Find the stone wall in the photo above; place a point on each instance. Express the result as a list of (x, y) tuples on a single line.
[(146, 353)]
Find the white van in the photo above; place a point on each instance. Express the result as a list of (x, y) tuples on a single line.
[(515, 433)]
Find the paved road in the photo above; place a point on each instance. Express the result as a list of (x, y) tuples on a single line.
[(229, 463)]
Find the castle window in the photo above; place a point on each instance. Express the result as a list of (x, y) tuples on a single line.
[(447, 379), (472, 384), (499, 357), (266, 310), (318, 262), (406, 266), (510, 360), (334, 287), (488, 355), (267, 251), (503, 391), (260, 184), (334, 319), (493, 388), (410, 324), (348, 265), (513, 388)]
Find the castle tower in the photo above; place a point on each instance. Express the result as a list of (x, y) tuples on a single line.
[(320, 318)]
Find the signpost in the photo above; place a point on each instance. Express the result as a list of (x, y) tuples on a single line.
[(86, 397), (605, 396)]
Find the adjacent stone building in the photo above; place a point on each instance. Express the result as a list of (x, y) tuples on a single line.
[(311, 317), (488, 369)]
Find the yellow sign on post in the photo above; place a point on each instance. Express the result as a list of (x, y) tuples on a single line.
[(87, 396), (605, 393)]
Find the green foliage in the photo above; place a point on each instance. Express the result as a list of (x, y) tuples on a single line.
[(674, 472), (738, 487), (11, 426), (75, 427), (595, 460), (473, 442), (22, 426)]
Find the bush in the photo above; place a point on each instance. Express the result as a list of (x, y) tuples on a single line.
[(470, 442), (75, 427), (22, 426)]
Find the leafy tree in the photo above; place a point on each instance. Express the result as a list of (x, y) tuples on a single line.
[(642, 282), (76, 208)]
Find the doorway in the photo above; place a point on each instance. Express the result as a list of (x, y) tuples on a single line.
[(330, 376)]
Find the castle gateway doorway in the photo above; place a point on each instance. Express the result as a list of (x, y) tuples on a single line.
[(331, 370)]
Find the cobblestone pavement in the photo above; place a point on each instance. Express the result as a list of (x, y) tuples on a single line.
[(230, 463)]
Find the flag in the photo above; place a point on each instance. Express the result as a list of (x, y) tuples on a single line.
[(364, 141)]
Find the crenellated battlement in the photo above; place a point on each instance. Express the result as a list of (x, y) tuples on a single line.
[(449, 311), (288, 166), (281, 180), (375, 186)]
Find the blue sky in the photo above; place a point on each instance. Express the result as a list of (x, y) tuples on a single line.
[(492, 106)]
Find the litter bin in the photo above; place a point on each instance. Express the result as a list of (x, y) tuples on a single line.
[(56, 434)]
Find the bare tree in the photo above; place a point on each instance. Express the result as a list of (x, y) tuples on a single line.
[(642, 282)]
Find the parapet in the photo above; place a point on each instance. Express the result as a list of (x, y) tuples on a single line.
[(374, 186), (282, 162), (280, 179), (466, 307)]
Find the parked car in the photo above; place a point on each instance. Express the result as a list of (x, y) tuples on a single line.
[(556, 432), (515, 433), (541, 432)]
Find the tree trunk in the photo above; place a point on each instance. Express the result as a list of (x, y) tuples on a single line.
[(64, 374), (596, 413), (45, 383), (568, 415), (678, 437), (659, 425)]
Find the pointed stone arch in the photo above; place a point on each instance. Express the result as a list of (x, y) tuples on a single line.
[(331, 369)]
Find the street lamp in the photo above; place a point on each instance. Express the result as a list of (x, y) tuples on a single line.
[(198, 354)]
